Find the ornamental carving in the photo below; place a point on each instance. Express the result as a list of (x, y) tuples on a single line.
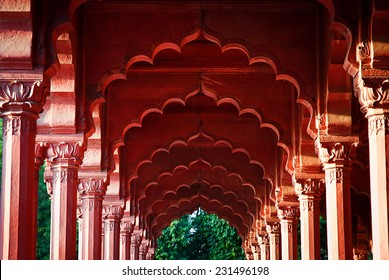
[(264, 240), (273, 228), (334, 175), (338, 153), (19, 92), (112, 212), (66, 151), (17, 126), (307, 205), (64, 175), (289, 213), (275, 240), (126, 226), (364, 50), (371, 92), (287, 227), (96, 187), (313, 187), (89, 205), (378, 124), (135, 240), (110, 225), (49, 187), (39, 154)]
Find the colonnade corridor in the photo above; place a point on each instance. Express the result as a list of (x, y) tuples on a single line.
[(121, 116)]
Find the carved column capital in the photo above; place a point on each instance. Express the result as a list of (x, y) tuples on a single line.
[(92, 187), (64, 151), (273, 227), (18, 96), (127, 226), (311, 187), (372, 90), (338, 152), (291, 213), (39, 154), (135, 240), (114, 212), (264, 240)]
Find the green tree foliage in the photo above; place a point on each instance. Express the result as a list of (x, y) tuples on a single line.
[(199, 236), (44, 205)]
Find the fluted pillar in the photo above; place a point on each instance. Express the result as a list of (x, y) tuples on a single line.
[(92, 193), (337, 167), (112, 217), (65, 159), (273, 230), (289, 217), (20, 105), (264, 247), (126, 228), (309, 192)]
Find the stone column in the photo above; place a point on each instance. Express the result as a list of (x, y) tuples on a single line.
[(150, 254), (92, 193), (337, 169), (378, 120), (112, 217), (143, 248), (256, 252), (309, 192), (372, 88), (65, 159), (264, 246), (20, 105), (273, 230), (126, 228), (136, 239), (289, 216)]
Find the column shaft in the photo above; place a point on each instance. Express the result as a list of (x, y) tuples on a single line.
[(379, 190), (112, 231), (273, 230), (339, 231), (289, 220), (66, 159), (92, 192), (264, 247), (20, 104)]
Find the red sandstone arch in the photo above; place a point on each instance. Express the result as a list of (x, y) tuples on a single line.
[(169, 151), (187, 207), (172, 182)]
